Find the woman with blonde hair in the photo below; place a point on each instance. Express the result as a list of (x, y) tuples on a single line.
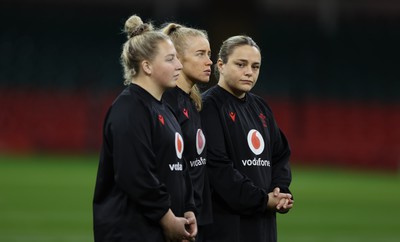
[(142, 192), (193, 51)]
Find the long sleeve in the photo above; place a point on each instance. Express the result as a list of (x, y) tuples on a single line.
[(281, 172), (189, 200), (135, 161)]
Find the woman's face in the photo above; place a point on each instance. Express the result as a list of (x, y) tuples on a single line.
[(196, 60), (240, 73), (166, 66)]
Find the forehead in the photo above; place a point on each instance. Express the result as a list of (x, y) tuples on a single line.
[(197, 43), (246, 52), (165, 47)]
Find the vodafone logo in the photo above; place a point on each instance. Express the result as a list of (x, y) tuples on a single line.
[(178, 145), (255, 141), (200, 141)]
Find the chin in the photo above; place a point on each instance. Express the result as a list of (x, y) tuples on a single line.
[(171, 84), (205, 80), (244, 89), (247, 88)]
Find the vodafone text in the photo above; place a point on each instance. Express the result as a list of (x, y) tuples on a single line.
[(256, 162), (176, 167), (198, 162)]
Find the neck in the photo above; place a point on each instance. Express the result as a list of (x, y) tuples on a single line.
[(184, 83), (238, 94), (150, 86)]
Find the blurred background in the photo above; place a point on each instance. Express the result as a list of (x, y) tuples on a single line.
[(330, 72)]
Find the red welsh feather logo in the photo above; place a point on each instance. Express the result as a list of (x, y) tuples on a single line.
[(185, 112), (233, 116), (161, 118), (263, 119)]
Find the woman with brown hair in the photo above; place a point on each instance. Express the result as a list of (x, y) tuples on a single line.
[(248, 154)]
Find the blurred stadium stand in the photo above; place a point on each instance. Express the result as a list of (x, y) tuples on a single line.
[(330, 71)]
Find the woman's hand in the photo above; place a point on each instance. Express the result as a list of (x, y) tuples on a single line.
[(280, 202), (191, 226), (174, 227)]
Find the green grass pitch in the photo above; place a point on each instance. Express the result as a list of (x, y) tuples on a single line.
[(48, 198)]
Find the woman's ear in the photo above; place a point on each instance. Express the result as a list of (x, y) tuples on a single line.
[(220, 65), (147, 68)]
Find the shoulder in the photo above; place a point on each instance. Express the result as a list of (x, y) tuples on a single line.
[(126, 100), (175, 99), (259, 101), (130, 105), (213, 102), (214, 95), (209, 93), (171, 96)]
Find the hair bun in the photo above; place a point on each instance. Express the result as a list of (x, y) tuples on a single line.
[(171, 28), (134, 26)]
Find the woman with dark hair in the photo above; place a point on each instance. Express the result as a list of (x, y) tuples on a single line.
[(247, 154)]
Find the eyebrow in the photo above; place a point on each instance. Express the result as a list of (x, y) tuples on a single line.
[(245, 60), (205, 51), (170, 55)]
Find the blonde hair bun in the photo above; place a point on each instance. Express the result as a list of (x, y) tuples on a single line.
[(134, 26), (170, 28)]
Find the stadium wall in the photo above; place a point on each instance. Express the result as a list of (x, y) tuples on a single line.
[(327, 132)]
